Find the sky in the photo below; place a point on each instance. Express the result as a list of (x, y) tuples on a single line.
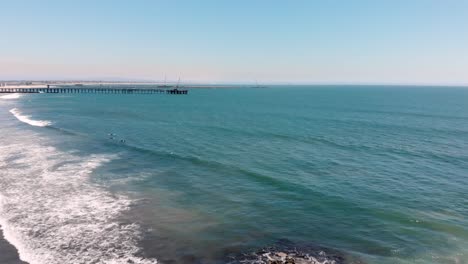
[(241, 41)]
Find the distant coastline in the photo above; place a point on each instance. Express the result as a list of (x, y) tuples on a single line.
[(190, 84), (44, 84)]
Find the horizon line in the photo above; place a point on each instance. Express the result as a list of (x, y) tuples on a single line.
[(136, 81)]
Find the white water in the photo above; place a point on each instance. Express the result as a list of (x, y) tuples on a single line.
[(53, 214), (26, 119), (11, 96)]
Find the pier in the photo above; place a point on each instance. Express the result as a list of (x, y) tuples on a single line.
[(91, 90)]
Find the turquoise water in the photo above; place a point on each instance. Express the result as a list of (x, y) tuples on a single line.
[(377, 173)]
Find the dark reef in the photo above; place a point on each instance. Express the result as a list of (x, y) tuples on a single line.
[(288, 252)]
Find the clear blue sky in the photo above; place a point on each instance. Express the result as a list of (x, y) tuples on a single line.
[(328, 41)]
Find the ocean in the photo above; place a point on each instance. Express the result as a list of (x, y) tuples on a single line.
[(358, 174)]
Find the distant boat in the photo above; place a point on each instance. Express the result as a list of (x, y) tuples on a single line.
[(258, 86), (164, 85)]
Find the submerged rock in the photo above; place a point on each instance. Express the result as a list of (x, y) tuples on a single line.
[(287, 252)]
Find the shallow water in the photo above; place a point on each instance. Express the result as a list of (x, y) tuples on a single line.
[(376, 173)]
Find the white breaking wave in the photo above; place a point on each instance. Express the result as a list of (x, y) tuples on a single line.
[(26, 119), (53, 214), (11, 96)]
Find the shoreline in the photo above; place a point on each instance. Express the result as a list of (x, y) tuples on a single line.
[(8, 252)]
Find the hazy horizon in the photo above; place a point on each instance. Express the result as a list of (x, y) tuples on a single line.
[(421, 42), (228, 83)]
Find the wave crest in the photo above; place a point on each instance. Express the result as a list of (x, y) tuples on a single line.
[(26, 119), (11, 96)]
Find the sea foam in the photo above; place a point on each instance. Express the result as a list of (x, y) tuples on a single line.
[(52, 213), (26, 119), (11, 96)]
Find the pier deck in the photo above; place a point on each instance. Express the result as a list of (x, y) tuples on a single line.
[(84, 90)]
